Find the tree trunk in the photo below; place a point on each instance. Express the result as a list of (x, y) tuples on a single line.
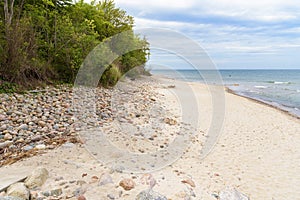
[(8, 11)]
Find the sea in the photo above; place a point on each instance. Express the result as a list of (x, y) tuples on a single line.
[(279, 88)]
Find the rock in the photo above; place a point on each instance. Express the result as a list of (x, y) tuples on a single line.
[(189, 182), (42, 123), (127, 184), (5, 144), (105, 179), (27, 148), (81, 197), (111, 196), (37, 178), (18, 190), (3, 127), (23, 127), (170, 121), (7, 136), (56, 192), (232, 194), (40, 146), (79, 192), (150, 195)]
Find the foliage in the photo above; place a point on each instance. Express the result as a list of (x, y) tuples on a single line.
[(48, 40), (110, 76)]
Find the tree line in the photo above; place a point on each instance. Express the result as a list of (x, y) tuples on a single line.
[(46, 41)]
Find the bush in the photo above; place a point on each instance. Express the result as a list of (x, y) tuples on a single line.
[(111, 76)]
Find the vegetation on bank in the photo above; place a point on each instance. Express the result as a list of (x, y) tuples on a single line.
[(46, 41)]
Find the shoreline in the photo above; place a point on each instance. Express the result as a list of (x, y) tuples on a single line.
[(228, 90), (263, 103)]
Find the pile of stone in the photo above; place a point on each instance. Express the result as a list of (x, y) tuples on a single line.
[(41, 119)]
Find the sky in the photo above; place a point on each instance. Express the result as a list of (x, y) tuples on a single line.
[(236, 34)]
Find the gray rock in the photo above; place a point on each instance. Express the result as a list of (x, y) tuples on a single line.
[(5, 144), (150, 195), (37, 178), (111, 196), (23, 127), (3, 127), (27, 148), (18, 190), (232, 194)]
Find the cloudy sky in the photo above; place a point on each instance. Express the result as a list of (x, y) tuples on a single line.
[(235, 33)]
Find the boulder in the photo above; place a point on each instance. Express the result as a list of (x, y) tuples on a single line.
[(37, 178), (18, 190)]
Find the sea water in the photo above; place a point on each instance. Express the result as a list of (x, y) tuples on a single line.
[(279, 88)]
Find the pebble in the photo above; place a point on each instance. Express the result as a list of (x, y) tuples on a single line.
[(81, 197), (27, 148), (5, 144), (127, 184), (23, 127), (8, 136), (40, 146), (189, 181)]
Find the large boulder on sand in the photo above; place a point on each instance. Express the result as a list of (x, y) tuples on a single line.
[(37, 178), (18, 190)]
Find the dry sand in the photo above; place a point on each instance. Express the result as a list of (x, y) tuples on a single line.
[(257, 152)]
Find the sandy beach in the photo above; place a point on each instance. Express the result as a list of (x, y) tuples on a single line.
[(257, 151)]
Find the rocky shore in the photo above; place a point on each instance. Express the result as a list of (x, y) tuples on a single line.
[(41, 119)]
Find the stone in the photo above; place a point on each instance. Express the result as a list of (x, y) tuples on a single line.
[(18, 190), (105, 178), (111, 196), (40, 146), (127, 184), (27, 148), (7, 136), (189, 182), (23, 127), (5, 144), (56, 192), (42, 123), (150, 195), (81, 197), (37, 178), (232, 194), (3, 127)]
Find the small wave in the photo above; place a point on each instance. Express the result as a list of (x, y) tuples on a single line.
[(298, 91), (279, 82), (260, 87)]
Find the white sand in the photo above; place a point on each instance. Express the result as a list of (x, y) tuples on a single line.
[(258, 152)]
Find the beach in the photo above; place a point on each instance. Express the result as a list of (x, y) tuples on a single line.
[(256, 151)]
